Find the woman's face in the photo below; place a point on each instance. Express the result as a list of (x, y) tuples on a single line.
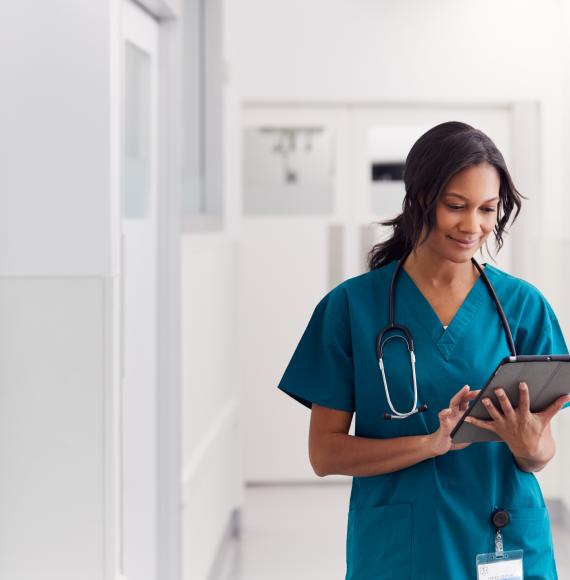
[(466, 213)]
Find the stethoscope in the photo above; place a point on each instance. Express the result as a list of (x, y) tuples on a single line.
[(407, 337)]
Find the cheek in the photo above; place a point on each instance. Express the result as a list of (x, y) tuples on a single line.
[(445, 219), (489, 223)]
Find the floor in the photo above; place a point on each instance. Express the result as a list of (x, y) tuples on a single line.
[(298, 533)]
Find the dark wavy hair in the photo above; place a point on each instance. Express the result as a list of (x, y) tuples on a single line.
[(433, 160)]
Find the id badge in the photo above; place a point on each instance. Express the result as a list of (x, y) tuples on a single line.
[(500, 566)]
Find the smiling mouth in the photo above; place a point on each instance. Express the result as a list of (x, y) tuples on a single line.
[(463, 242)]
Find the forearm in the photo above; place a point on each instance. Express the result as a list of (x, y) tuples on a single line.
[(540, 458), (343, 454)]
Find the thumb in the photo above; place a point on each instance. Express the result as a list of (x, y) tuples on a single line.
[(444, 417), (443, 414)]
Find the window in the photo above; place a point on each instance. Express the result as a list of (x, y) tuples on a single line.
[(202, 81)]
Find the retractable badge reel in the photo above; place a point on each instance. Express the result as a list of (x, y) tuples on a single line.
[(500, 565)]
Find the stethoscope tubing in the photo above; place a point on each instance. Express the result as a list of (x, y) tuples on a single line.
[(408, 338)]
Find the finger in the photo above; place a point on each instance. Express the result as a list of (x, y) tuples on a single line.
[(458, 396), (472, 395), (505, 403), (445, 420), (454, 402), (444, 415), (492, 410), (488, 425), (524, 399)]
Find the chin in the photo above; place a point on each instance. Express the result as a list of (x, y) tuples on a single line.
[(459, 256)]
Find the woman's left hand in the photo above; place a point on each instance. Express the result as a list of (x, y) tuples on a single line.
[(520, 429)]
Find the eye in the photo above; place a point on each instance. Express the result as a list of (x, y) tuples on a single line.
[(489, 209), (450, 206)]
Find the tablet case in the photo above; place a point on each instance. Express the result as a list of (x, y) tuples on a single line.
[(547, 377)]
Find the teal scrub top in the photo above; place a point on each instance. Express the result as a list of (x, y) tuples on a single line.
[(429, 520)]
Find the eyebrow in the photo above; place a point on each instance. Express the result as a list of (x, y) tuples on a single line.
[(463, 197)]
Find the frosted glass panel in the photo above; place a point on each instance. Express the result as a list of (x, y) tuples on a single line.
[(388, 147), (136, 182), (288, 170)]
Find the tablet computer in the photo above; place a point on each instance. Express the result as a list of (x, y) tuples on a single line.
[(547, 377)]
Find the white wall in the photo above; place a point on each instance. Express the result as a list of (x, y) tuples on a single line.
[(54, 146), (53, 448), (277, 294), (56, 447), (212, 403), (561, 257), (212, 410)]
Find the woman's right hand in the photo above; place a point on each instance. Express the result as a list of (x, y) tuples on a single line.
[(448, 419)]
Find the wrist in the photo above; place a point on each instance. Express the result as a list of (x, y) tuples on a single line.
[(433, 446), (539, 450), (536, 457), (528, 465)]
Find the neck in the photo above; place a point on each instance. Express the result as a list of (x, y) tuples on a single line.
[(436, 271)]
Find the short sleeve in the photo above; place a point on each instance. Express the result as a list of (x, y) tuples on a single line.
[(321, 369), (539, 331)]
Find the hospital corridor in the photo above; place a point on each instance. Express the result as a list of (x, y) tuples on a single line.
[(284, 290)]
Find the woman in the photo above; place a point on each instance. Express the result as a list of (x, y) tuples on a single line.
[(421, 506)]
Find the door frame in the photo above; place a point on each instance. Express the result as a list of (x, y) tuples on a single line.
[(168, 418), (350, 211)]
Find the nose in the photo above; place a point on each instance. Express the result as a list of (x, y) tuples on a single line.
[(470, 224)]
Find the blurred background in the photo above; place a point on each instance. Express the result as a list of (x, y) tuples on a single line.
[(182, 181)]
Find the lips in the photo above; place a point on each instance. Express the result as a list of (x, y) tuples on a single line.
[(463, 242)]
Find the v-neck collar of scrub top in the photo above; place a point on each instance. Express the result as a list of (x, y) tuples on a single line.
[(446, 338)]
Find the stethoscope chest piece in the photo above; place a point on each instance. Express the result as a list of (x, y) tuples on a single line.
[(407, 338)]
